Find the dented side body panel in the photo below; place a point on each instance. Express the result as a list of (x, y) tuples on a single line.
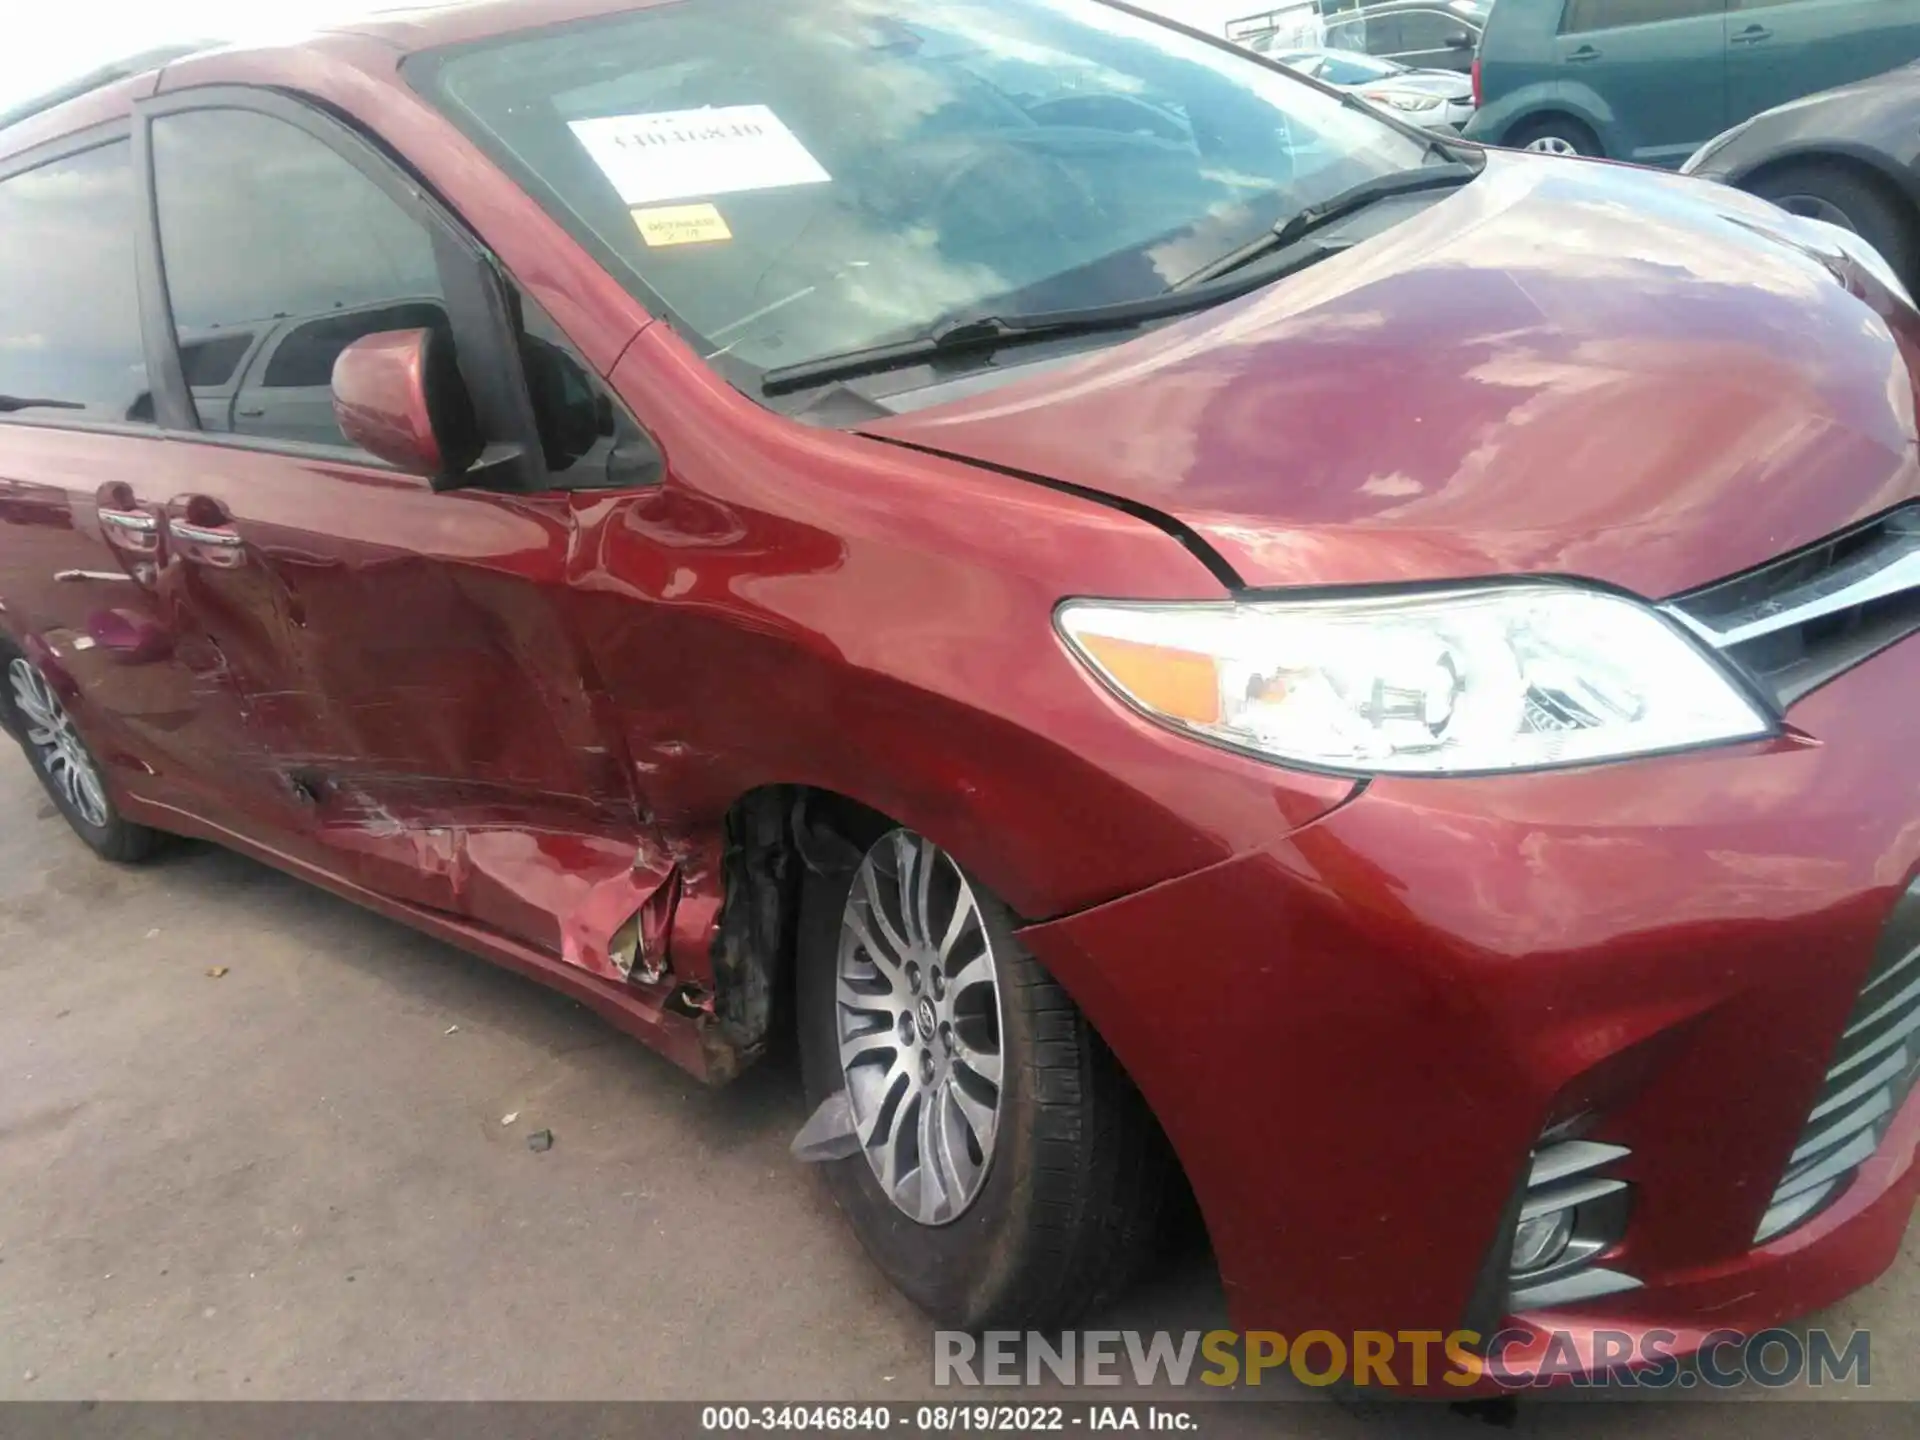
[(582, 726)]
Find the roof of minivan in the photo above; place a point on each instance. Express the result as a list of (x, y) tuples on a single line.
[(451, 22), (405, 28)]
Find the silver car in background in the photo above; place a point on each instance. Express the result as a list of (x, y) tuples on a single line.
[(1434, 99)]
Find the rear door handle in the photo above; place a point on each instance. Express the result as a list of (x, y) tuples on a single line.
[(1585, 55), (124, 525), (1753, 35)]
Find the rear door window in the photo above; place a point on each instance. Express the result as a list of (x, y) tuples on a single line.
[(267, 230), (1585, 15), (70, 343)]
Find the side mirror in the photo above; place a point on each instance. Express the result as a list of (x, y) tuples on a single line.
[(398, 396), (1458, 40)]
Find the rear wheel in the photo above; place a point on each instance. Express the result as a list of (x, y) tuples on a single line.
[(1008, 1175), (1555, 135), (1846, 198), (66, 767)]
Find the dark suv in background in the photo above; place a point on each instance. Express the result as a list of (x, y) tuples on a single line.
[(1652, 80), (1420, 34)]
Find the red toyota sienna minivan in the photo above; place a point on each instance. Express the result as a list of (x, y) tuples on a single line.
[(1174, 628)]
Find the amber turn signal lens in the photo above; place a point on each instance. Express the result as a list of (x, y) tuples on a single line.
[(1176, 683)]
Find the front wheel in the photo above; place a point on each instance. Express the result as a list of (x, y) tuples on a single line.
[(1008, 1174), (1555, 135), (66, 767), (1843, 197)]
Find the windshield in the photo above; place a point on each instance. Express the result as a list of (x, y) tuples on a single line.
[(794, 181)]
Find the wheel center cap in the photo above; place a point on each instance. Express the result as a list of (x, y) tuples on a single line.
[(923, 1017)]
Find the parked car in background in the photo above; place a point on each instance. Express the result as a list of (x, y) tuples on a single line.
[(1436, 99), (1298, 23), (1652, 80), (871, 525), (1849, 156), (1420, 34)]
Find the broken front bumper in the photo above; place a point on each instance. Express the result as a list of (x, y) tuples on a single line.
[(1358, 1037)]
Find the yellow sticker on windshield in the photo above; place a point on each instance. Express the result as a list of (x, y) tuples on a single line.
[(681, 225)]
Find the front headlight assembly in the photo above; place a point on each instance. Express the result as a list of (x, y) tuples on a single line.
[(1403, 99), (1445, 682)]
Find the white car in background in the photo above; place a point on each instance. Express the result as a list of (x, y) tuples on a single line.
[(1433, 99)]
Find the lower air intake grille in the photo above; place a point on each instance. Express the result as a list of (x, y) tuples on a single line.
[(1573, 1212), (1873, 1072)]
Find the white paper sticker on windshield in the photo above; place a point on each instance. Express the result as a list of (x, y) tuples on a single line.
[(680, 154)]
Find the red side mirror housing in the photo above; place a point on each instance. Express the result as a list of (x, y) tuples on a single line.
[(398, 395)]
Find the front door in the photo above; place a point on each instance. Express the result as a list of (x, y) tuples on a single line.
[(396, 659)]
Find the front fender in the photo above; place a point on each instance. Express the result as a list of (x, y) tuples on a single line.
[(1495, 120), (1746, 171)]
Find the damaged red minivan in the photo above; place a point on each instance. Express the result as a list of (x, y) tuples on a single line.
[(1176, 629)]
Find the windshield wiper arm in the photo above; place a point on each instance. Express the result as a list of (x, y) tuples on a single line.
[(981, 333), (1303, 223)]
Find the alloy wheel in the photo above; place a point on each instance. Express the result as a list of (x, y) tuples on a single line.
[(1553, 145), (917, 997), (63, 756)]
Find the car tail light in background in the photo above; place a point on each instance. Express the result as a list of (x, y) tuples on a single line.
[(1476, 82)]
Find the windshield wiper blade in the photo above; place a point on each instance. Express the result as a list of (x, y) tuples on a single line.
[(981, 333), (1197, 291), (1303, 223)]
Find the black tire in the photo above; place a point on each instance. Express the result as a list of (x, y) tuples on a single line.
[(118, 839), (1071, 1201), (1845, 196), (1541, 132)]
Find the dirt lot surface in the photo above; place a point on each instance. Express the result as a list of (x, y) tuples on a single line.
[(309, 1178)]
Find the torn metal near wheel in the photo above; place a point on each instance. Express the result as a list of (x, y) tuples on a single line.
[(829, 1134)]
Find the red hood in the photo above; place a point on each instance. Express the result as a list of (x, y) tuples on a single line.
[(1563, 368)]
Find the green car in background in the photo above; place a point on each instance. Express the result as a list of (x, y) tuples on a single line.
[(1652, 80)]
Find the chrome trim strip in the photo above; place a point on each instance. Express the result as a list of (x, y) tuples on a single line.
[(1570, 1157), (1566, 1197), (1871, 576), (201, 535), (1585, 1285), (1892, 970), (1876, 1046), (1899, 1002), (1861, 1117), (1891, 1068), (1832, 1168), (1789, 1213)]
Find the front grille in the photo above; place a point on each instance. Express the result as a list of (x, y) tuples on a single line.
[(1797, 622), (1874, 1070)]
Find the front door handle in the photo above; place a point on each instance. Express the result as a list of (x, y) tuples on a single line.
[(131, 521), (1585, 55), (203, 535), (1753, 35)]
